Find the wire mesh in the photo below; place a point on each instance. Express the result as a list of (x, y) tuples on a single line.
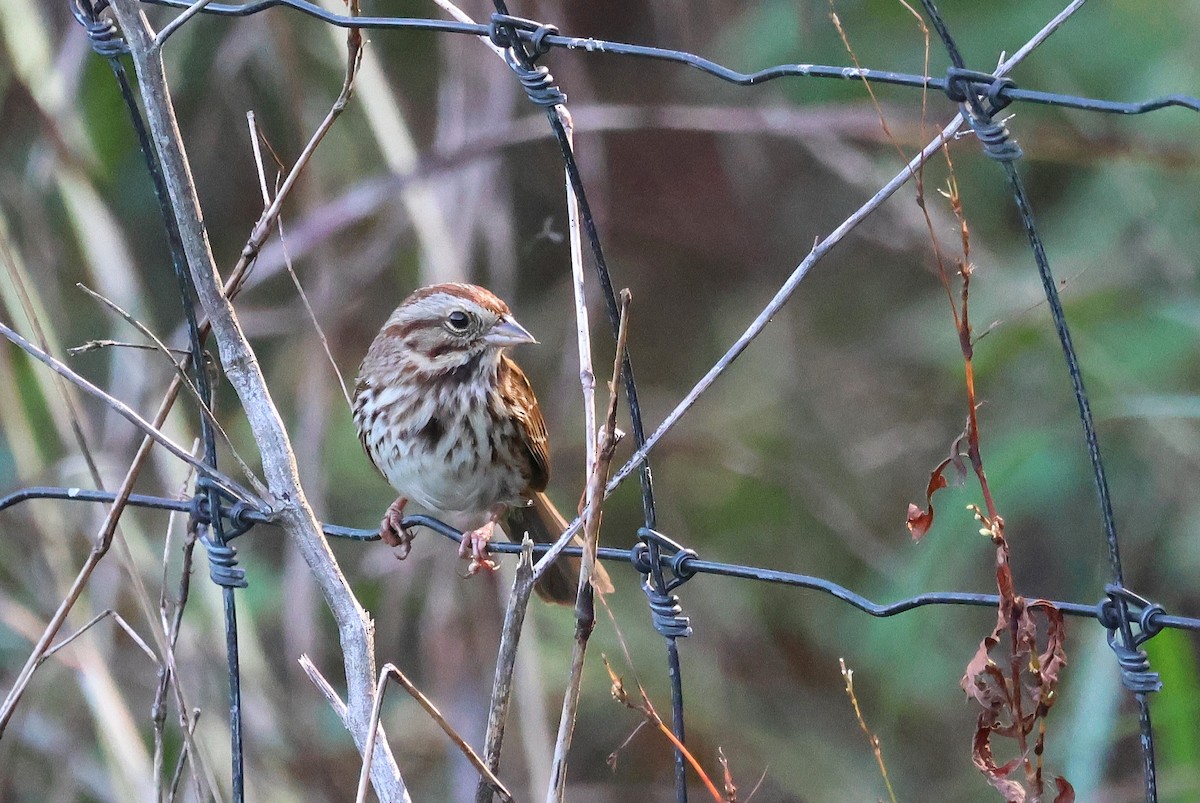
[(664, 565)]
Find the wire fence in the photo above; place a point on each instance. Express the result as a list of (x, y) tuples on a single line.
[(223, 516)]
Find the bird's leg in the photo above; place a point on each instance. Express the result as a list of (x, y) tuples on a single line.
[(475, 543), (392, 529)]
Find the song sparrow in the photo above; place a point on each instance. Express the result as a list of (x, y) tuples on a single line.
[(452, 423)]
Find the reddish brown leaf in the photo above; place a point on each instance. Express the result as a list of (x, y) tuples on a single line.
[(919, 521), (981, 755), (1054, 657), (1066, 792), (982, 677)]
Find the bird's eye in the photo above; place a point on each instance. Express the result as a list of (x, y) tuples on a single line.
[(458, 321)]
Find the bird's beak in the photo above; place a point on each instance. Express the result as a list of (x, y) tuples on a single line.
[(508, 332)]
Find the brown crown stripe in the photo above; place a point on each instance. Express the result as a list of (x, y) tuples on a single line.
[(468, 292)]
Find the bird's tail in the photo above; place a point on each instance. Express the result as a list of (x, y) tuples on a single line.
[(545, 524)]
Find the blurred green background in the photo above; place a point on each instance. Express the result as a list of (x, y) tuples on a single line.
[(803, 457)]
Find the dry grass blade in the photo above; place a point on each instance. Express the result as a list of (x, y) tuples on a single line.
[(391, 671), (646, 709), (129, 414), (872, 739)]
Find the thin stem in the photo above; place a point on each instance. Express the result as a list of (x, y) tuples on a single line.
[(390, 671)]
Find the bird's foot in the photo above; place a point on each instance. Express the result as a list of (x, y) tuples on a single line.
[(475, 546), (392, 530)]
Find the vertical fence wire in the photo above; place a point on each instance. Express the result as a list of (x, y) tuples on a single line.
[(222, 557), (664, 564), (998, 145), (540, 88)]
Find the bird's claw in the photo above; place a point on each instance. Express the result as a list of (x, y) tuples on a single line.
[(392, 530), (475, 546)]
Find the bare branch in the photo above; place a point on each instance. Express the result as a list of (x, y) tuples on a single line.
[(116, 617), (514, 621), (294, 514), (584, 604)]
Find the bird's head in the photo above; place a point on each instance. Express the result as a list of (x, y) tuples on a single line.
[(448, 329)]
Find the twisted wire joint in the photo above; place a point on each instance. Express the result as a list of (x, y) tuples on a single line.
[(102, 32), (981, 95), (1131, 658), (235, 520), (536, 80)]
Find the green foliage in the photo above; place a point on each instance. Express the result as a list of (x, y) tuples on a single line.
[(803, 456)]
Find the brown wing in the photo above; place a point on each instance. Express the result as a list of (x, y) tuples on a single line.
[(532, 426), (360, 388)]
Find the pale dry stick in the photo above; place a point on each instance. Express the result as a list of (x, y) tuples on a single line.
[(177, 23), (287, 259), (510, 637), (161, 347), (291, 509), (392, 671), (584, 603), (129, 414), (462, 16), (583, 337), (105, 614), (793, 281), (108, 343), (177, 775), (872, 739)]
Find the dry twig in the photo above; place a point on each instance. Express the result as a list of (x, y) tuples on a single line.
[(293, 514), (391, 671), (646, 709), (510, 637), (584, 607)]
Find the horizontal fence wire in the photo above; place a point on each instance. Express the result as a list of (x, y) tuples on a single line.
[(663, 564), (1009, 92), (682, 562)]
